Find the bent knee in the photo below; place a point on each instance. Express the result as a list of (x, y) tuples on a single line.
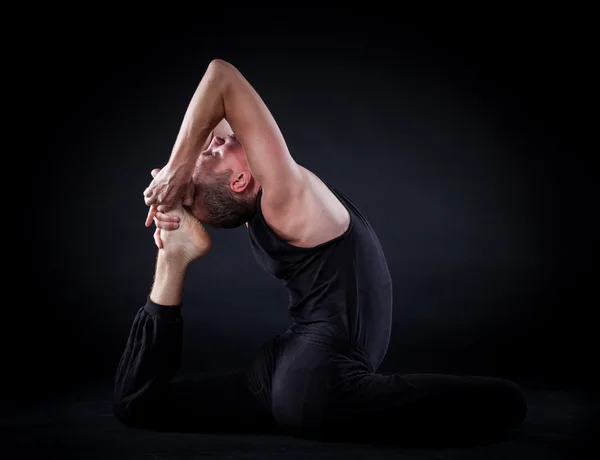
[(297, 407), (299, 413)]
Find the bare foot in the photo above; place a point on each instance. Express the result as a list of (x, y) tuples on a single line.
[(186, 238)]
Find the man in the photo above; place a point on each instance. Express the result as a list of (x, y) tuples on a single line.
[(319, 377)]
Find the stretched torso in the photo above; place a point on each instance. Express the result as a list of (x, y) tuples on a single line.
[(340, 291)]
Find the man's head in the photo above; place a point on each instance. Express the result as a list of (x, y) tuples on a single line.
[(226, 192)]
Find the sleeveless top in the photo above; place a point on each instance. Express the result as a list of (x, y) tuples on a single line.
[(339, 291)]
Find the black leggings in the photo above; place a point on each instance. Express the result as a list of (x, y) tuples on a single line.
[(301, 385)]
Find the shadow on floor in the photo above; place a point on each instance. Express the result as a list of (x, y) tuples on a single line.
[(557, 426)]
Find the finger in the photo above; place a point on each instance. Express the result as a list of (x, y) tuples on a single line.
[(154, 172), (165, 217), (149, 198), (163, 207), (150, 216), (148, 192), (166, 225), (157, 239)]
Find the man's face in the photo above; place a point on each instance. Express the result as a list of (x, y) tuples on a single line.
[(223, 153), (215, 202)]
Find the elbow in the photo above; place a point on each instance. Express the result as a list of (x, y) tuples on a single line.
[(222, 77), (221, 70), (219, 65)]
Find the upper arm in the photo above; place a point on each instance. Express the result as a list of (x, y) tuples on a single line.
[(253, 124)]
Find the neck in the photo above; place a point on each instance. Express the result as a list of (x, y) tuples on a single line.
[(256, 187)]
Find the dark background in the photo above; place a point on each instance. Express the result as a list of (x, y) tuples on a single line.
[(462, 142)]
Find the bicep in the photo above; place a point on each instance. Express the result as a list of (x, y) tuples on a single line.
[(253, 124)]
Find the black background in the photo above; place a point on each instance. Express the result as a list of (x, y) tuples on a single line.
[(461, 141)]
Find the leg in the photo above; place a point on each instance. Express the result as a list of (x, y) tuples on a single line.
[(431, 406), (216, 403), (146, 397), (145, 394), (317, 392)]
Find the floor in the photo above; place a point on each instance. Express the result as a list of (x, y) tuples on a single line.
[(559, 425)]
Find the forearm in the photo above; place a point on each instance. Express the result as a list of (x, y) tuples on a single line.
[(205, 112), (169, 278)]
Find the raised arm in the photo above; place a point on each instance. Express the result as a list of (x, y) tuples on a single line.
[(224, 93)]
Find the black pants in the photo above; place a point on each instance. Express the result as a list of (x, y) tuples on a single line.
[(301, 385)]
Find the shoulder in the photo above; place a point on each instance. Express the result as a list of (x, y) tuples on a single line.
[(304, 212)]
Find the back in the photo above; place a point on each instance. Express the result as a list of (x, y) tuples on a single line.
[(339, 291)]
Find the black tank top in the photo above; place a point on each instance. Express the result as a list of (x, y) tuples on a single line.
[(340, 290)]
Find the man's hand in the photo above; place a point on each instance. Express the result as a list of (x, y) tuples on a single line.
[(169, 186), (179, 234)]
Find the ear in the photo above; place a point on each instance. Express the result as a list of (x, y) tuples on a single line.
[(240, 181)]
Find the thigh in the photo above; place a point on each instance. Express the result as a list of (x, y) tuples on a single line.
[(222, 402), (306, 381), (236, 402)]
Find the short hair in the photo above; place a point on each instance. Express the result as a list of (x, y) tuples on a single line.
[(226, 208)]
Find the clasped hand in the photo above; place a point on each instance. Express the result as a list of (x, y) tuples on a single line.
[(170, 185), (178, 232)]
